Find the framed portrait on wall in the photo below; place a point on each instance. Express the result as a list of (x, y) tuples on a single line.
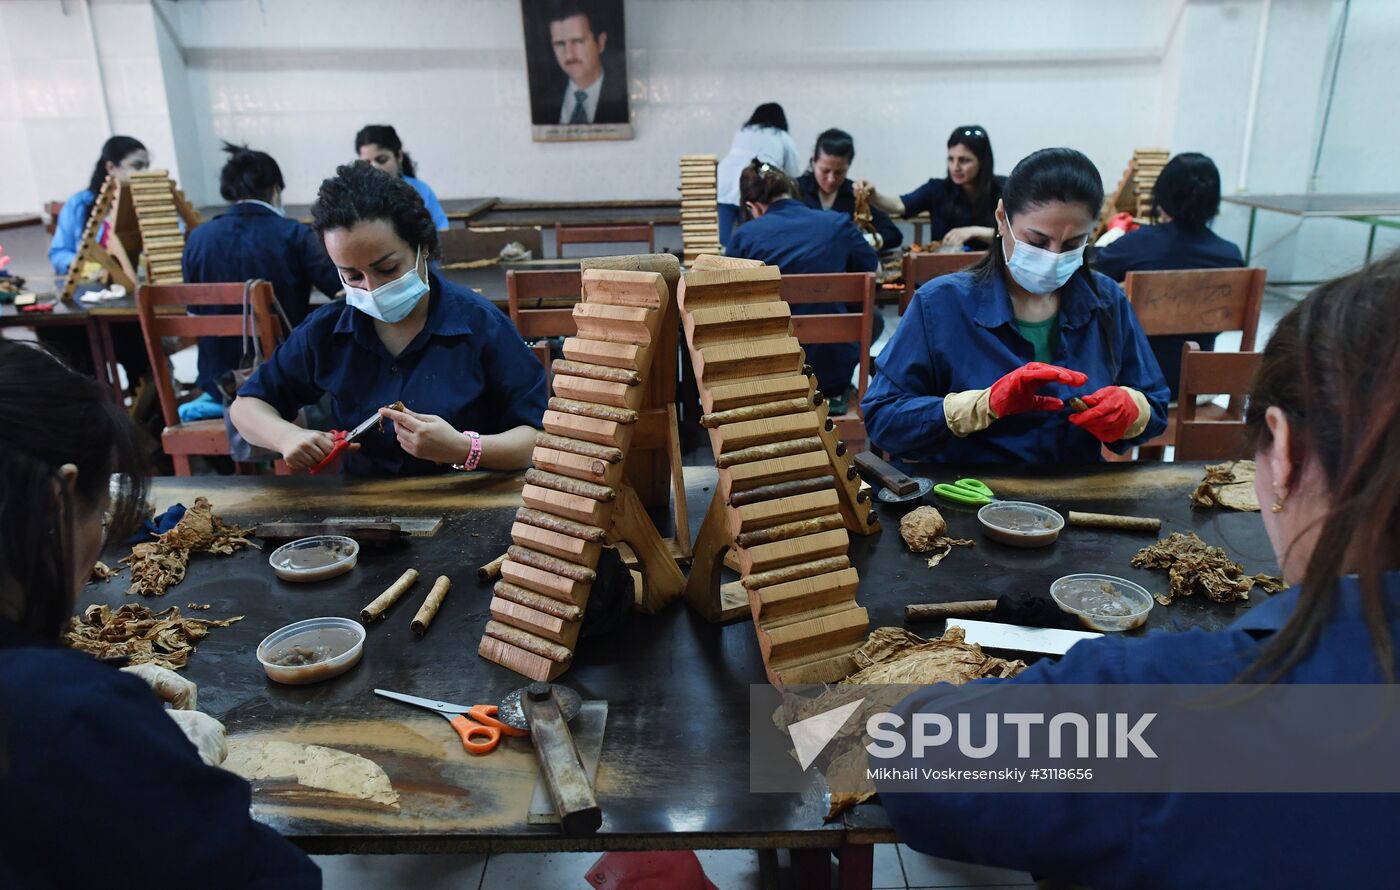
[(576, 55)]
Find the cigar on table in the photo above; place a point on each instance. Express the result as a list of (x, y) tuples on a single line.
[(1108, 520), (429, 609), (492, 569), (375, 610), (939, 611)]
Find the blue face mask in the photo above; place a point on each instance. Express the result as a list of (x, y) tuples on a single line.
[(1039, 270), (391, 302)]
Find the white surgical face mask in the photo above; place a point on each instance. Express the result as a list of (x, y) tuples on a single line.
[(1038, 270), (392, 301)]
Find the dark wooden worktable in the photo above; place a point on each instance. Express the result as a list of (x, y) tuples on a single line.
[(674, 771), (579, 213)]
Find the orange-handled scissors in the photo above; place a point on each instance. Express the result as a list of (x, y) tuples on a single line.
[(477, 725)]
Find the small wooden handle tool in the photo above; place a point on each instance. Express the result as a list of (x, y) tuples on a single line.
[(879, 472), (560, 764), (939, 611)]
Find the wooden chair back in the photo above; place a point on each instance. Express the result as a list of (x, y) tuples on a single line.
[(1213, 373), (635, 234), (853, 289), (53, 209), (540, 305), (1198, 301), (920, 268)]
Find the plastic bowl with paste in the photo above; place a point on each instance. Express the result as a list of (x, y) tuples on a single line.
[(315, 559), (312, 650), (1020, 523), (1102, 602)]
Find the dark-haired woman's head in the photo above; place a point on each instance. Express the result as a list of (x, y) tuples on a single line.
[(62, 443), (970, 161), (770, 115), (1324, 419), (374, 226), (1048, 207), (761, 184), (1187, 191), (121, 156), (250, 175), (831, 159), (379, 144)]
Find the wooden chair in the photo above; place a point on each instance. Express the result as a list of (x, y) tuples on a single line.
[(920, 268), (1213, 373), (603, 235), (540, 304), (1192, 302), (53, 209), (162, 309), (841, 287)]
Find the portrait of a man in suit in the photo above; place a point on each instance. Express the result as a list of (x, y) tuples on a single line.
[(578, 72)]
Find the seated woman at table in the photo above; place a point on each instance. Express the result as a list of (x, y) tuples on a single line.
[(983, 362), (960, 207), (379, 144), (81, 743), (475, 394), (765, 136), (121, 156), (826, 186), (786, 233), (252, 239), (1324, 424), (1185, 198)]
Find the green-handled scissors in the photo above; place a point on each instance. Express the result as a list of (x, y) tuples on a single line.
[(965, 491)]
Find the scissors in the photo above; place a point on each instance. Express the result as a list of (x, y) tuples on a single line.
[(342, 440), (480, 730), (965, 491)]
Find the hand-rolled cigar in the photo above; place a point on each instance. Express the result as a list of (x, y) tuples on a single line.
[(557, 482), (763, 452), (492, 569), (540, 519), (429, 609), (537, 601), (528, 641), (939, 611), (755, 412), (578, 446), (1077, 404), (796, 572), (597, 372), (789, 530), (589, 409), (1108, 520), (781, 490), (375, 610), (545, 562)]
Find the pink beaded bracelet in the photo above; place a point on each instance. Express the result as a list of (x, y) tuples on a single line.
[(473, 456)]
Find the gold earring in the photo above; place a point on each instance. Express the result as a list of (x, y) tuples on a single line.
[(1278, 503)]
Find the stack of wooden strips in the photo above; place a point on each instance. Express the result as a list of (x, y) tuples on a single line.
[(158, 213), (789, 492), (1134, 192), (88, 250), (699, 214), (576, 484)]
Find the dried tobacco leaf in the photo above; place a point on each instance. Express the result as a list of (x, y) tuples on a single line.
[(1194, 565), (159, 564), (1228, 485), (138, 635)]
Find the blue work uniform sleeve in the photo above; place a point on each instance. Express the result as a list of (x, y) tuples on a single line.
[(286, 380), (67, 232), (860, 256), (430, 199), (319, 269), (1115, 259), (1137, 368), (519, 391), (920, 200), (900, 414)]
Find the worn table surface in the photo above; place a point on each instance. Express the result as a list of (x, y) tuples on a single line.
[(455, 208), (586, 213), (1358, 204), (674, 771)]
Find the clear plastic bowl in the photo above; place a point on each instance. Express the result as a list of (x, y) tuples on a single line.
[(1020, 523), (1102, 602), (312, 650), (315, 559)]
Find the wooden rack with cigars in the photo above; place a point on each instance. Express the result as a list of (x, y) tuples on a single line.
[(1134, 192), (699, 214), (787, 495), (577, 499)]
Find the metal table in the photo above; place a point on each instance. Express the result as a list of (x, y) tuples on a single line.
[(674, 770), (1368, 208)]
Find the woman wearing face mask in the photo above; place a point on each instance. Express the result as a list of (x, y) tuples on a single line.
[(981, 366), (825, 186), (475, 394), (1324, 423), (253, 239), (960, 207), (379, 145), (82, 744), (121, 156)]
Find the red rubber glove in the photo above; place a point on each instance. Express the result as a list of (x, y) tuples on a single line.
[(1016, 392), (1111, 411)]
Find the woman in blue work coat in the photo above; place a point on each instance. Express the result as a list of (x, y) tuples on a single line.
[(1322, 423), (826, 186), (75, 732), (253, 239), (1185, 198), (475, 395), (960, 206), (983, 362), (121, 156), (379, 144), (786, 233)]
